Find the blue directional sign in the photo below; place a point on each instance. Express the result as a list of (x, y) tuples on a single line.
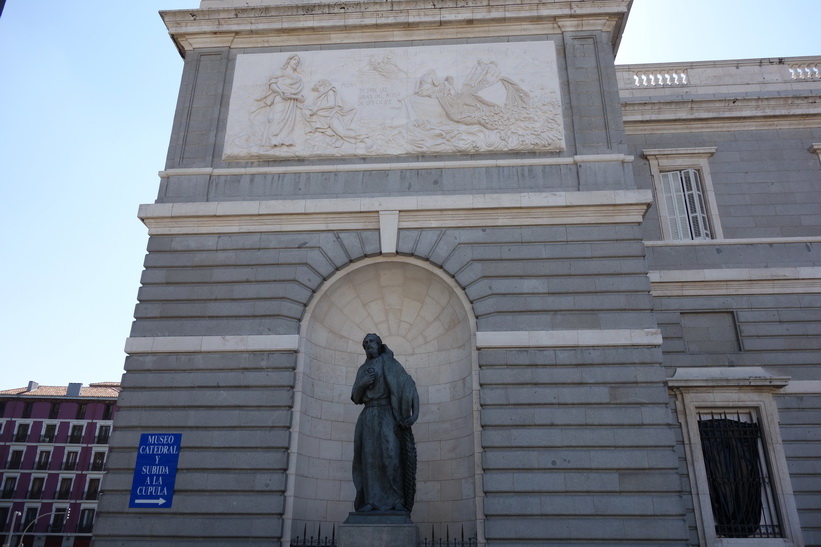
[(155, 471)]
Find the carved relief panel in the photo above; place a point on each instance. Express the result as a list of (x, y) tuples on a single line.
[(470, 98)]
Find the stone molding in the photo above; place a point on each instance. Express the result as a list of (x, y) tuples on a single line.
[(734, 241), (735, 281), (692, 115), (395, 166), (806, 387), (432, 211), (401, 20), (484, 340), (567, 338), (725, 377), (211, 344)]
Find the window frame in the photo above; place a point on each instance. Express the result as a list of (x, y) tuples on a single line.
[(19, 424), (71, 438), (734, 389), (30, 492), (59, 493), (58, 511), (38, 463), (46, 425), (97, 432), (12, 464), (92, 463), (84, 508), (69, 464), (86, 491), (28, 508), (10, 493), (678, 159)]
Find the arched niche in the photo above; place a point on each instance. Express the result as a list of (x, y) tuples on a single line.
[(425, 319)]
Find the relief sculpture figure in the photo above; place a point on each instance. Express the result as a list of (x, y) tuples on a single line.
[(281, 104), (327, 115), (384, 461), (466, 106)]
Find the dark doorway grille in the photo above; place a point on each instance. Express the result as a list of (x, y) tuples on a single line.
[(741, 494)]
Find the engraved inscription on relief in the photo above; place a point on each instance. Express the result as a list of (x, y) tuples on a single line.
[(395, 101)]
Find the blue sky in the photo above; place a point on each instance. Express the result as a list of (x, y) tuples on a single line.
[(87, 96)]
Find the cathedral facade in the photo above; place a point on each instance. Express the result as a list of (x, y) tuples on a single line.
[(604, 279)]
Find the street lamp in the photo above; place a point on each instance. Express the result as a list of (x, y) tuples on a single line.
[(13, 518), (30, 524)]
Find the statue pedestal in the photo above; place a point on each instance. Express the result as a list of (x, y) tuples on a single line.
[(377, 529)]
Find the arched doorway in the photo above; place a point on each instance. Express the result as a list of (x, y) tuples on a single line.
[(426, 320)]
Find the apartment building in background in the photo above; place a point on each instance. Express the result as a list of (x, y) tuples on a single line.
[(53, 451)]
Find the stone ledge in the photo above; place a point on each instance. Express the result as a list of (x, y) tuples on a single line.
[(568, 338), (211, 344), (431, 211), (323, 22)]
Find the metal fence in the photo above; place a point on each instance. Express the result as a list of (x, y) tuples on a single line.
[(319, 541)]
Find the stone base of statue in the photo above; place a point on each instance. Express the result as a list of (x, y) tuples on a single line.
[(377, 529)]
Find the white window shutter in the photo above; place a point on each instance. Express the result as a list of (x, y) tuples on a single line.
[(697, 211), (674, 200)]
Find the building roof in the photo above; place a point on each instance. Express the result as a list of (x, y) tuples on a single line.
[(100, 390)]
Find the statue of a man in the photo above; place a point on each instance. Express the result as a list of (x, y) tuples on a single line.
[(384, 460)]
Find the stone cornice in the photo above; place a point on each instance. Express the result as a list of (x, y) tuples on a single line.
[(484, 340), (694, 114), (735, 281), (434, 211), (212, 344), (715, 378), (396, 166), (400, 20), (568, 338)]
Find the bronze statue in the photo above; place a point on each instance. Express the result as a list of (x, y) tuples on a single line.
[(384, 460)]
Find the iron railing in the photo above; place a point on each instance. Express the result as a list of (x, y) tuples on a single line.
[(319, 541)]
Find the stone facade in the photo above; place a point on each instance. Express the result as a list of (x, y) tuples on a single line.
[(562, 346)]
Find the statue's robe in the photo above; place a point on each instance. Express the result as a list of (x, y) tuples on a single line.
[(378, 466)]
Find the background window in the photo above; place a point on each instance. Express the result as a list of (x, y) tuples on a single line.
[(71, 461), (16, 459), (76, 435), (36, 489), (103, 433), (31, 516), (22, 433), (93, 489), (9, 487), (64, 491), (43, 459), (49, 431), (86, 521)]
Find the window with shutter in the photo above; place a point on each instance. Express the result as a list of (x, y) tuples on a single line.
[(685, 200)]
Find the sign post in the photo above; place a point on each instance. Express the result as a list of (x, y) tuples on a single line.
[(155, 471)]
